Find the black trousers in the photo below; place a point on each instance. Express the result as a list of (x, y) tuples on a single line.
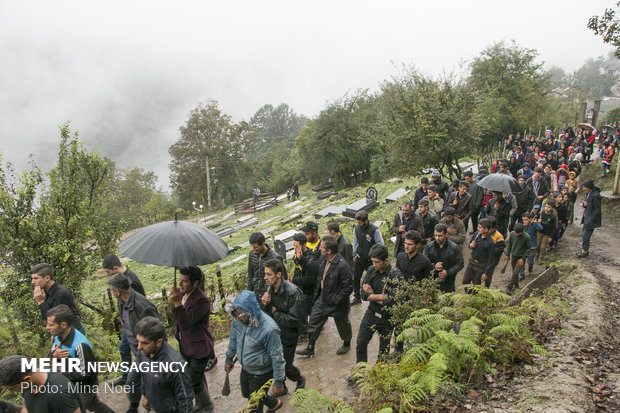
[(288, 348), (474, 220), (371, 323), (318, 320), (196, 370), (251, 382), (361, 265), (473, 273)]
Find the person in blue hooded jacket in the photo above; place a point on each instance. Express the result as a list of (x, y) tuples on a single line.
[(255, 340)]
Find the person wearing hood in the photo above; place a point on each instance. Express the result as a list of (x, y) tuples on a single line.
[(525, 170), (561, 176), (592, 215), (255, 340)]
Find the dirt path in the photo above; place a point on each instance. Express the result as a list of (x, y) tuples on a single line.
[(582, 373)]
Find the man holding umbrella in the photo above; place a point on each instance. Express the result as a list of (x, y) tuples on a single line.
[(191, 310)]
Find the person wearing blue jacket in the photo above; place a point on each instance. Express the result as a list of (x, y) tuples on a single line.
[(255, 340), (531, 228)]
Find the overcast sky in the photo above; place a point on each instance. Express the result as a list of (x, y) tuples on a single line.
[(127, 73)]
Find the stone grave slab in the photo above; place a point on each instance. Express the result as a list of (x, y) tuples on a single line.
[(364, 203), (330, 211), (290, 219), (281, 197), (286, 235), (234, 260), (393, 180), (292, 204), (396, 195), (245, 218)]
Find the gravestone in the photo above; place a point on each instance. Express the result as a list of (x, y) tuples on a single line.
[(369, 203), (330, 211), (396, 195)]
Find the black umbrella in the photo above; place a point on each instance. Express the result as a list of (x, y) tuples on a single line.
[(500, 183), (174, 244)]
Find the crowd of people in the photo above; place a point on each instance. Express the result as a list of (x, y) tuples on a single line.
[(279, 311)]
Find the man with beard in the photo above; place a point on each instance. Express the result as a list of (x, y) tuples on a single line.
[(284, 302), (447, 258), (476, 193), (260, 253), (461, 201), (539, 187), (191, 310), (442, 186), (365, 235), (428, 219), (405, 221)]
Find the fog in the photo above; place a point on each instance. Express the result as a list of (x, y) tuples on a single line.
[(127, 73)]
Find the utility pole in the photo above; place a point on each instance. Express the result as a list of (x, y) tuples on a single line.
[(208, 184)]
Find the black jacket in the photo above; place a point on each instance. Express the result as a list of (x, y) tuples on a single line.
[(452, 258), (476, 193), (290, 311), (56, 295), (256, 271), (381, 283), (429, 220), (415, 223), (345, 249), (167, 391), (337, 285), (592, 214), (304, 277), (525, 201), (543, 190)]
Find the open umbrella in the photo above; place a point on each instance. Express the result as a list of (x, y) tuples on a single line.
[(500, 183), (584, 125), (174, 244)]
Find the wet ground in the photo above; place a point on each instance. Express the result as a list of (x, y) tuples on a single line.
[(581, 376)]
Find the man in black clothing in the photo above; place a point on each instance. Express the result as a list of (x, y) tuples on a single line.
[(304, 278), (482, 255), (447, 258), (284, 302), (67, 342), (476, 193), (256, 264), (311, 232), (112, 265), (331, 297), (428, 220), (365, 235), (62, 400), (162, 391), (132, 307), (48, 293), (405, 220), (420, 193), (442, 186), (378, 288), (344, 245), (412, 264)]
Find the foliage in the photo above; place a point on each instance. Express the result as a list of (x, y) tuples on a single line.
[(456, 345), (312, 401), (512, 91), (256, 397), (65, 223), (335, 144), (210, 133), (278, 126), (612, 116), (608, 27), (431, 123)]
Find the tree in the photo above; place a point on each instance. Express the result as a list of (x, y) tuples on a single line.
[(612, 116), (592, 80), (512, 91), (64, 223), (426, 123), (278, 126), (607, 26), (210, 133), (335, 143)]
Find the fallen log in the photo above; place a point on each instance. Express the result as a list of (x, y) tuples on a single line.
[(544, 280)]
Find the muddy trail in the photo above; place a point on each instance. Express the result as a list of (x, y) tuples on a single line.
[(581, 375)]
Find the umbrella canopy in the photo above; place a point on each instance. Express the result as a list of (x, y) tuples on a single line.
[(174, 244), (584, 125), (500, 183)]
